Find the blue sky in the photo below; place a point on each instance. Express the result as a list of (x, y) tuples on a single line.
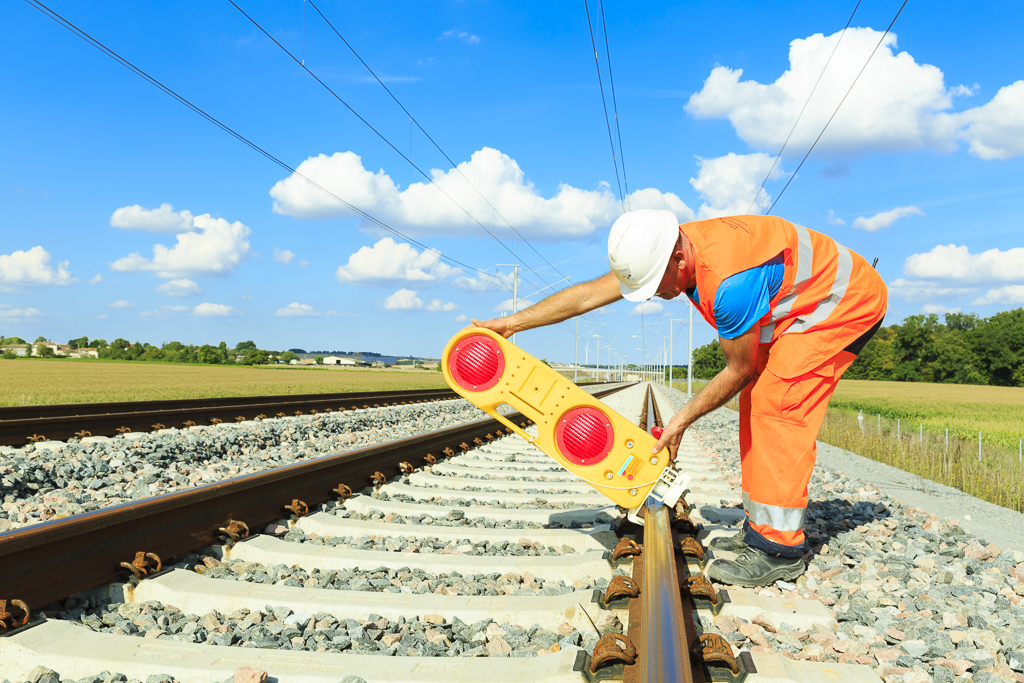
[(124, 214)]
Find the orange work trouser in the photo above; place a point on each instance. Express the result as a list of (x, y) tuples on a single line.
[(779, 423)]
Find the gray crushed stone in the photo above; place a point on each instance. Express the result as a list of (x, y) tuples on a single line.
[(427, 545)]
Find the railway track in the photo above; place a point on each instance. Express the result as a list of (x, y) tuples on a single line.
[(40, 423), (469, 543)]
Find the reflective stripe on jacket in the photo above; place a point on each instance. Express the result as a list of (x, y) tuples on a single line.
[(828, 297)]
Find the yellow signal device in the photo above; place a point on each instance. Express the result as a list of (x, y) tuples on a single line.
[(582, 434)]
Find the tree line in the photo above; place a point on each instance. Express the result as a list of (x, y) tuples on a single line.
[(964, 349), (244, 352)]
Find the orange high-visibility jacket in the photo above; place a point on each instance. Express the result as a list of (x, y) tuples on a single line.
[(829, 296)]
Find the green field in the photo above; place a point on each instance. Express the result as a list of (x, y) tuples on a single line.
[(45, 381)]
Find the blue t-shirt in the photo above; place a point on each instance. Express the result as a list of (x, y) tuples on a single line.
[(742, 299)]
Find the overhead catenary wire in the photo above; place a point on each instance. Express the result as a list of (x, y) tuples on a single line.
[(437, 146), (849, 90), (615, 104), (46, 11), (803, 109), (384, 138), (604, 104)]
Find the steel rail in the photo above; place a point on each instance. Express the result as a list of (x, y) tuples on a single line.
[(50, 561), (664, 655)]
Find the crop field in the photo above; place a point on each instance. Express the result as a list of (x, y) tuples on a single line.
[(26, 382)]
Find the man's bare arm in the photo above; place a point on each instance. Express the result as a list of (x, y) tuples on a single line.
[(741, 357), (568, 303)]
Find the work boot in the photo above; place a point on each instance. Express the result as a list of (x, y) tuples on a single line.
[(754, 567), (732, 544)]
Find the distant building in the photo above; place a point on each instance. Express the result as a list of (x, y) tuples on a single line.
[(84, 353), (341, 360), (16, 349), (38, 345)]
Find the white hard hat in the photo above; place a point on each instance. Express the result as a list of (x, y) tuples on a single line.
[(639, 248)]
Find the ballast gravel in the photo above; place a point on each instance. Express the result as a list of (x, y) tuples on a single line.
[(916, 597), (281, 629), (39, 485), (537, 504), (522, 547)]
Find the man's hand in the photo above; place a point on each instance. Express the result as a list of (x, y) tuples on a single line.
[(499, 325), (672, 436)]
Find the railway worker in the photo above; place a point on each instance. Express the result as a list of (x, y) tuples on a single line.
[(792, 309)]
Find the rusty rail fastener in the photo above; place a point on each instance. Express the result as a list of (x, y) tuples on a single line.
[(430, 459), (328, 410), (406, 467), (298, 413), (239, 418), (216, 421), (261, 416), (123, 430), (6, 616), (188, 423), (692, 547), (235, 530), (478, 441), (281, 415), (449, 452), (626, 547), (464, 446), (297, 507), (612, 647), (158, 425), (314, 411), (489, 437), (36, 438), (378, 479), (700, 587), (621, 587), (343, 491), (140, 565), (683, 523), (715, 650), (82, 434)]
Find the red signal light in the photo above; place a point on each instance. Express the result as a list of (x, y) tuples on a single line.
[(584, 436), (476, 363)]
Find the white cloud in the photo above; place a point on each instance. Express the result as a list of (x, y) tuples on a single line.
[(32, 267), (164, 312), (283, 256), (390, 261), (833, 219), (461, 318), (217, 247), (96, 279), (950, 262), (897, 104), (296, 310), (939, 309), (438, 305), (506, 305), (922, 290), (179, 288), (421, 209), (403, 300), (464, 36), (727, 184), (648, 308), (13, 314), (121, 304), (885, 218), (996, 130), (208, 310), (1010, 295), (162, 220)]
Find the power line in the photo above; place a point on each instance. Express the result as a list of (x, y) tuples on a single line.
[(615, 104), (900, 10), (428, 136), (604, 104), (338, 97), (802, 110), (46, 11)]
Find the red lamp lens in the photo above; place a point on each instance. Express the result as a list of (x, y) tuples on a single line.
[(476, 363), (584, 436)]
